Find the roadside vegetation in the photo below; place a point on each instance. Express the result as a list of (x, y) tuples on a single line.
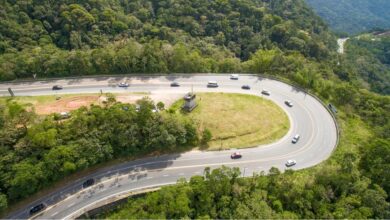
[(342, 187), (279, 38), (353, 183), (38, 151), (236, 120)]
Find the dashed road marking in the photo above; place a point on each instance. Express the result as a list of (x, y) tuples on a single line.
[(55, 213)]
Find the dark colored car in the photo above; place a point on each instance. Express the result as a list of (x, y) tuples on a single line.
[(57, 87), (175, 84), (37, 208), (332, 108), (245, 87), (88, 183), (236, 155)]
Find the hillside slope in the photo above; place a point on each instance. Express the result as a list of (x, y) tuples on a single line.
[(369, 56), (62, 37), (282, 38), (353, 16)]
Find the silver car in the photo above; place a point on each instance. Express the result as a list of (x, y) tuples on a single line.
[(288, 103), (265, 92), (290, 163), (123, 84), (295, 139)]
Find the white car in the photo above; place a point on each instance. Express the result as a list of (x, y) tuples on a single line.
[(123, 84), (234, 76), (265, 92), (213, 84), (288, 103), (290, 163), (295, 139)]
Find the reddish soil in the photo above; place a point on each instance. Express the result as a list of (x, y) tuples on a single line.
[(66, 104)]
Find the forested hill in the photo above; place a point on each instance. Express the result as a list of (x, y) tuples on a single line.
[(80, 37), (353, 16), (368, 55)]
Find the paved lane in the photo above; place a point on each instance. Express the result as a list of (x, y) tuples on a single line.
[(308, 117)]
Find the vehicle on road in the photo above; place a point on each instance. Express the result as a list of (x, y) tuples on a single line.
[(265, 92), (290, 163), (37, 208), (295, 139), (57, 87), (175, 84), (212, 84), (236, 155), (88, 183), (332, 108), (234, 76), (247, 87), (288, 103), (123, 84)]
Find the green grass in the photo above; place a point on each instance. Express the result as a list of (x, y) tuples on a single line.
[(237, 120)]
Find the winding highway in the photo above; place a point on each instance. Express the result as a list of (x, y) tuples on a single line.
[(308, 117)]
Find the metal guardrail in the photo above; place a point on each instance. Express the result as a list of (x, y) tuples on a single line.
[(280, 79), (334, 116)]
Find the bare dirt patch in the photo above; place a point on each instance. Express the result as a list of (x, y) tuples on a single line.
[(66, 104), (45, 105)]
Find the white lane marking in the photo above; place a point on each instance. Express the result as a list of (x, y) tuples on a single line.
[(149, 177), (55, 213), (302, 149), (197, 172), (70, 205), (114, 195), (165, 175), (181, 174)]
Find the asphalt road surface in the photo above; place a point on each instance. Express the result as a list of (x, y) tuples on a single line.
[(308, 117)]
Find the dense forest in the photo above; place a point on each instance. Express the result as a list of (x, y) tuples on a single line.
[(353, 183), (353, 16), (222, 194), (36, 151), (282, 38), (64, 38), (369, 56)]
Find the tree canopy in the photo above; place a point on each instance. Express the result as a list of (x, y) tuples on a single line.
[(44, 150), (61, 38)]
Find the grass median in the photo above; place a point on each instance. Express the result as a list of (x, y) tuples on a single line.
[(237, 120)]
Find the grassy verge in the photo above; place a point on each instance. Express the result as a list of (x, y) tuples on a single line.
[(237, 120)]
